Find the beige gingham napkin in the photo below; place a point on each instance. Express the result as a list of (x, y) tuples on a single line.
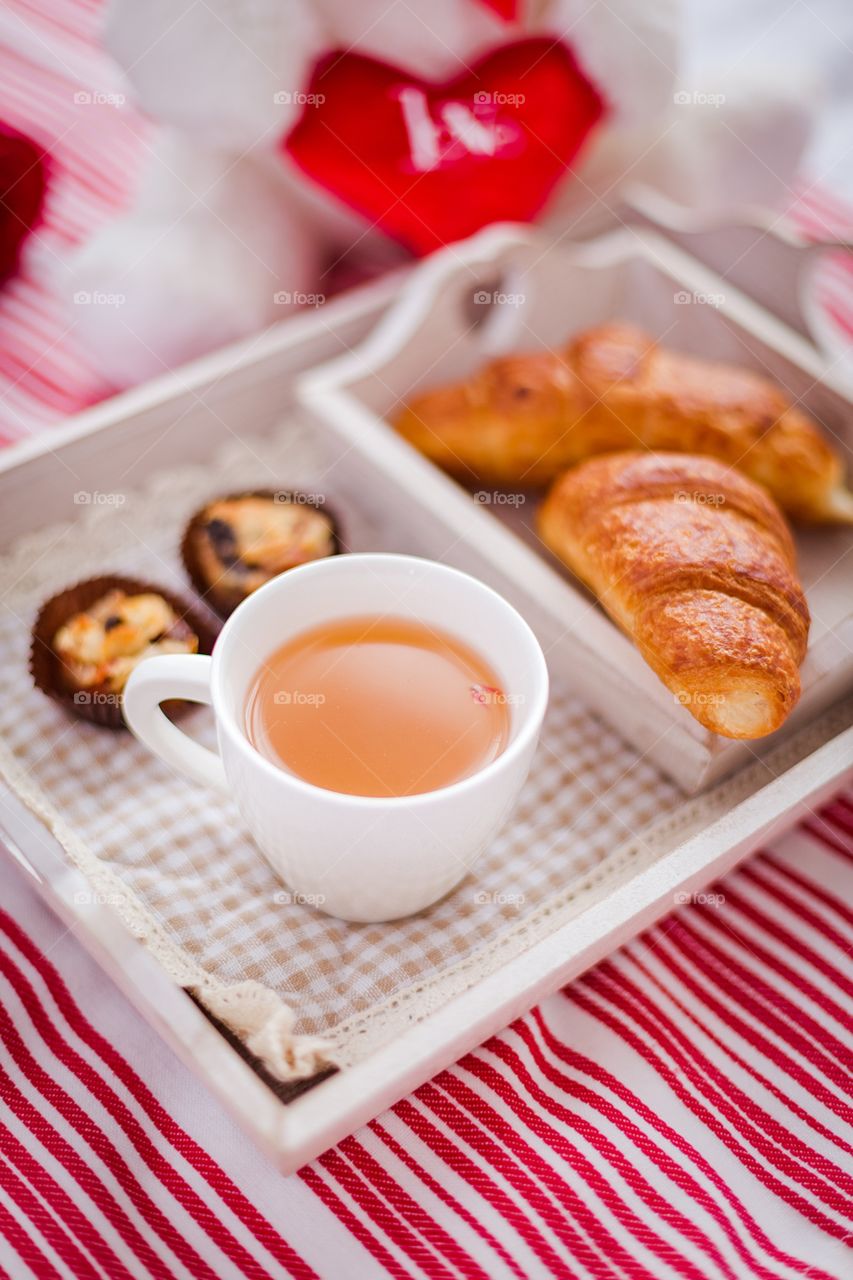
[(174, 859)]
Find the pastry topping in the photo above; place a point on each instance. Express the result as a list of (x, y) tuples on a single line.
[(236, 544), (100, 646), (267, 535), (223, 540)]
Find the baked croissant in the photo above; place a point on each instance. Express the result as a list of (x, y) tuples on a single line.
[(695, 562), (523, 419)]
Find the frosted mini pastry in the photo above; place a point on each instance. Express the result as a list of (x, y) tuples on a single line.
[(235, 544), (88, 639)]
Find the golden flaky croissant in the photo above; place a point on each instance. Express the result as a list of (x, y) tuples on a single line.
[(523, 419), (696, 564)]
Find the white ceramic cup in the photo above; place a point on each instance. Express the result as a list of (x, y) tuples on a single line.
[(363, 858)]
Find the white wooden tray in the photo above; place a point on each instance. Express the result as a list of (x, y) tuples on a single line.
[(246, 392), (439, 330)]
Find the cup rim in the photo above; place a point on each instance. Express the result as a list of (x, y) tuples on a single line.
[(226, 720)]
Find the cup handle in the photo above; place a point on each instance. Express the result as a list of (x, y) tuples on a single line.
[(156, 680)]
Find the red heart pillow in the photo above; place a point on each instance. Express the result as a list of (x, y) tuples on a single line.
[(431, 163), (22, 188), (507, 10)]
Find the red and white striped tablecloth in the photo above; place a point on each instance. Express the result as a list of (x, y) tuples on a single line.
[(681, 1111)]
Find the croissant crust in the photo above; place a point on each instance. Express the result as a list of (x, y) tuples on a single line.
[(523, 419), (696, 564)]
